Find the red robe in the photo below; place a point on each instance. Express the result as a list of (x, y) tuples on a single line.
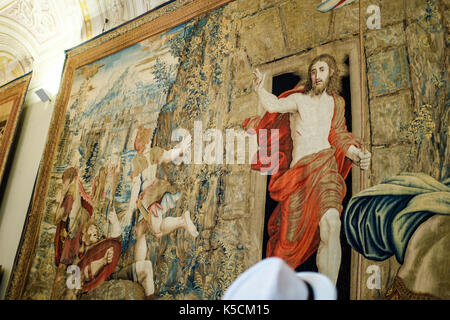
[(96, 252), (66, 249), (305, 191)]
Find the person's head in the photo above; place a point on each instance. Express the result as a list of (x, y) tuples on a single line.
[(143, 136), (322, 75), (90, 232), (69, 175)]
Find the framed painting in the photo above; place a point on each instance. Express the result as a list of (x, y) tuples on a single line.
[(193, 141), (102, 153), (12, 97)]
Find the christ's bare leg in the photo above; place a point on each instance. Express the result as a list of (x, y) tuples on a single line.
[(329, 253)]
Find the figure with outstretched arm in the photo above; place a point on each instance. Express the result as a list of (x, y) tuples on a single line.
[(151, 198), (316, 154)]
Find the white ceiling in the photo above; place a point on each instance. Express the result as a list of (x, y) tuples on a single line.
[(35, 33)]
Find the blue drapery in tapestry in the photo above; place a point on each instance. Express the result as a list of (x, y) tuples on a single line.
[(380, 220)]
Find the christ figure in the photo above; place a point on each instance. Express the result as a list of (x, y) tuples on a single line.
[(316, 152)]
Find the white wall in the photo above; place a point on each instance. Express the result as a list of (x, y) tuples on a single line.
[(13, 209)]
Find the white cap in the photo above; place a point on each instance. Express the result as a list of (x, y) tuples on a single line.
[(273, 279)]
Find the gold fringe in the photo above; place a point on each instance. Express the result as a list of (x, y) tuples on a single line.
[(399, 291)]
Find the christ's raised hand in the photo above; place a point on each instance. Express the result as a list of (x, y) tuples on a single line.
[(258, 81)]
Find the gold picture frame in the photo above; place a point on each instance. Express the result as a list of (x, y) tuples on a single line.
[(12, 97)]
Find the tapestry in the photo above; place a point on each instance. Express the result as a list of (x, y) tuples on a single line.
[(198, 139)]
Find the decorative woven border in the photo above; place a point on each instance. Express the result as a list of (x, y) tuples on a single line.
[(153, 23), (399, 291)]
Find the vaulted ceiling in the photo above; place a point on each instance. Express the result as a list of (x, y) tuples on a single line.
[(35, 33)]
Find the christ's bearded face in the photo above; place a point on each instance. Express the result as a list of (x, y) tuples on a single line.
[(320, 77)]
